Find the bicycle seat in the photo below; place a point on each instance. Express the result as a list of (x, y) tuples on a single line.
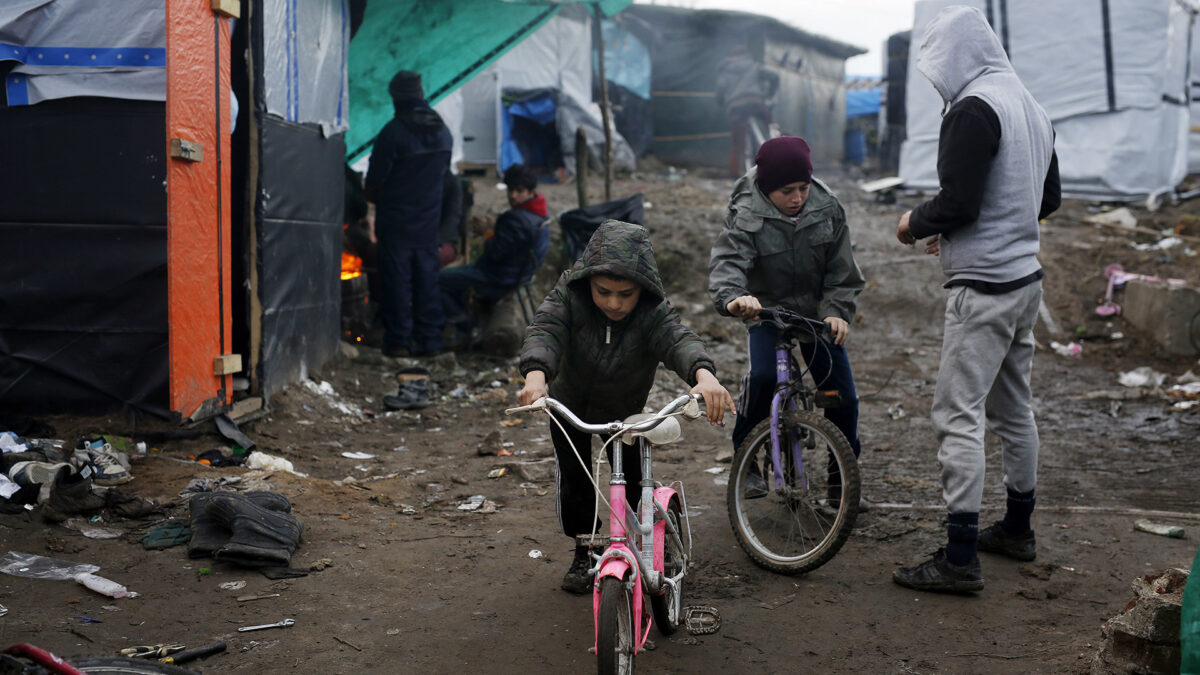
[(668, 431)]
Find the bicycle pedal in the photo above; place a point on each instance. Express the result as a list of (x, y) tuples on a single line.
[(828, 399), (701, 619)]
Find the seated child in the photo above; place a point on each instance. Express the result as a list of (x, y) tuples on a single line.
[(516, 250), (597, 339)]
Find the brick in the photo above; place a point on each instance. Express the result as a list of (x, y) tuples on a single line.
[(1169, 313)]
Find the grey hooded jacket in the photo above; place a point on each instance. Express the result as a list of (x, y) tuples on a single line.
[(803, 264), (603, 370), (962, 57)]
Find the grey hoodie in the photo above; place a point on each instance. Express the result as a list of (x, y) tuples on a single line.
[(961, 56)]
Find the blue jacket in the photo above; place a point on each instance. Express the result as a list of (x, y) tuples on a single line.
[(408, 165), (518, 245)]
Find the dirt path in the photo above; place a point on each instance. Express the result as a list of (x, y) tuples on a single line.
[(416, 585)]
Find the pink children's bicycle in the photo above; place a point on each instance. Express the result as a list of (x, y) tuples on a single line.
[(649, 542)]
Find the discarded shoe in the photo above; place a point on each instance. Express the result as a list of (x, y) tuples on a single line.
[(35, 473), (70, 494), (939, 575), (578, 579), (208, 535), (259, 537), (100, 456), (413, 393), (994, 539)]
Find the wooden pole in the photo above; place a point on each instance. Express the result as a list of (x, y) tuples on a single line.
[(581, 166), (605, 113)]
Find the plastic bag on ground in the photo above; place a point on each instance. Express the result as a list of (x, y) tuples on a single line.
[(32, 566), (260, 460)]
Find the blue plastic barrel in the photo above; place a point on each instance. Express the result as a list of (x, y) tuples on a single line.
[(856, 146)]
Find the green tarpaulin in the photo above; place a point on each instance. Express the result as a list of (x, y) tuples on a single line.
[(446, 42)]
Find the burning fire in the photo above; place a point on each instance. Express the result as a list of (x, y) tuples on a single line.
[(351, 265)]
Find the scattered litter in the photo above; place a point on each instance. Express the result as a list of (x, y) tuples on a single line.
[(261, 460), (358, 455), (1122, 216), (1160, 245), (247, 598), (166, 536), (408, 510), (478, 504), (715, 470), (1142, 377), (88, 619), (1163, 530), (535, 554), (1185, 405), (393, 631), (1189, 390), (400, 448), (3, 610), (233, 585), (103, 586), (895, 411), (326, 391), (7, 487), (511, 423), (1069, 349), (496, 473), (647, 205)]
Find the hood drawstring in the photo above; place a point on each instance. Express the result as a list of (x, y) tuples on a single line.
[(608, 334)]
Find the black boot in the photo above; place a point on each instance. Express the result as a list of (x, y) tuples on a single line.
[(578, 579), (260, 537), (70, 493), (209, 535)]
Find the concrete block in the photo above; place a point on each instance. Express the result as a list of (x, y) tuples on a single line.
[(1169, 313), (1144, 637)]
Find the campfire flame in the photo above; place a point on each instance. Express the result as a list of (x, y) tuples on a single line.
[(351, 265)]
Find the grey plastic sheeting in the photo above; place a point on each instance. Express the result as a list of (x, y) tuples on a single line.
[(70, 48), (1120, 145), (306, 46), (1194, 103)]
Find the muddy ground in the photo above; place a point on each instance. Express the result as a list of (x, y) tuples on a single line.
[(415, 585)]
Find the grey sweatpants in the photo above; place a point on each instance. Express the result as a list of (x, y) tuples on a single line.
[(987, 357)]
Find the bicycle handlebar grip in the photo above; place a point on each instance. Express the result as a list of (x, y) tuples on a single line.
[(539, 404)]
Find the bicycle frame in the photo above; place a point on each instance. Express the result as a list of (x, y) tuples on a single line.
[(785, 398), (630, 562), (637, 561)]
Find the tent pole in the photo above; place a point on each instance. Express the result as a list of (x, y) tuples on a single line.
[(606, 114), (581, 166)]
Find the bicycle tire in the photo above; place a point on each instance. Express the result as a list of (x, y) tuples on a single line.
[(614, 631), (794, 531), (106, 665), (663, 605)]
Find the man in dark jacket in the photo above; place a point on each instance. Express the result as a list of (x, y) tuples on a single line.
[(597, 339), (743, 87), (999, 177), (408, 166), (516, 250)]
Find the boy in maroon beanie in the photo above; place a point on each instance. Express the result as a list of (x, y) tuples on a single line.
[(785, 244)]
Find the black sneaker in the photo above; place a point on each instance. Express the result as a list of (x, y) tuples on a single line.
[(939, 575), (412, 395), (996, 540), (578, 579)]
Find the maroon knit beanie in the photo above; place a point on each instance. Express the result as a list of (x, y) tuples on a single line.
[(782, 161)]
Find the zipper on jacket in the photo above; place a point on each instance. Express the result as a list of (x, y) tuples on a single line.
[(608, 334)]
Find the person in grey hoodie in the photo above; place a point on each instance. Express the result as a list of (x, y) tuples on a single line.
[(998, 177)]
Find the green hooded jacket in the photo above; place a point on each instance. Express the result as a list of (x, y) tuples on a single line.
[(803, 264), (601, 369)]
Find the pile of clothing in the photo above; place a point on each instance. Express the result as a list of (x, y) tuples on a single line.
[(61, 482)]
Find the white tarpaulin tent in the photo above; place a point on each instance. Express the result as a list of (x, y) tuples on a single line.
[(1194, 103), (1112, 75), (556, 57)]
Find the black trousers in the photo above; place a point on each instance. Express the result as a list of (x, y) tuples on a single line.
[(576, 496)]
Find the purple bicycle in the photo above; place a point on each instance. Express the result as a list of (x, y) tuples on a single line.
[(794, 486)]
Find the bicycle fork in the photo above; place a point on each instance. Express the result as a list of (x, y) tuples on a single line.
[(783, 375)]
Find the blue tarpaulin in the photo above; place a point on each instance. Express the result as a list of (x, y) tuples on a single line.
[(540, 109), (863, 96)]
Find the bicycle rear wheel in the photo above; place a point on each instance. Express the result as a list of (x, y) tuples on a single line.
[(667, 606), (802, 525), (614, 633)]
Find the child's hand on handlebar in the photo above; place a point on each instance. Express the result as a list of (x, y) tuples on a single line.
[(744, 307), (716, 397), (535, 387), (838, 329)]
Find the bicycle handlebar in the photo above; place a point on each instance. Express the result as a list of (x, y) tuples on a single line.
[(688, 405), (785, 318)]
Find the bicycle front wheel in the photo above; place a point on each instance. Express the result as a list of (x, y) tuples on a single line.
[(668, 605), (800, 525), (614, 630)]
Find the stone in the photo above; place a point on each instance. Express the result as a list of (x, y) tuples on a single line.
[(1144, 637), (348, 350), (1170, 313)]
